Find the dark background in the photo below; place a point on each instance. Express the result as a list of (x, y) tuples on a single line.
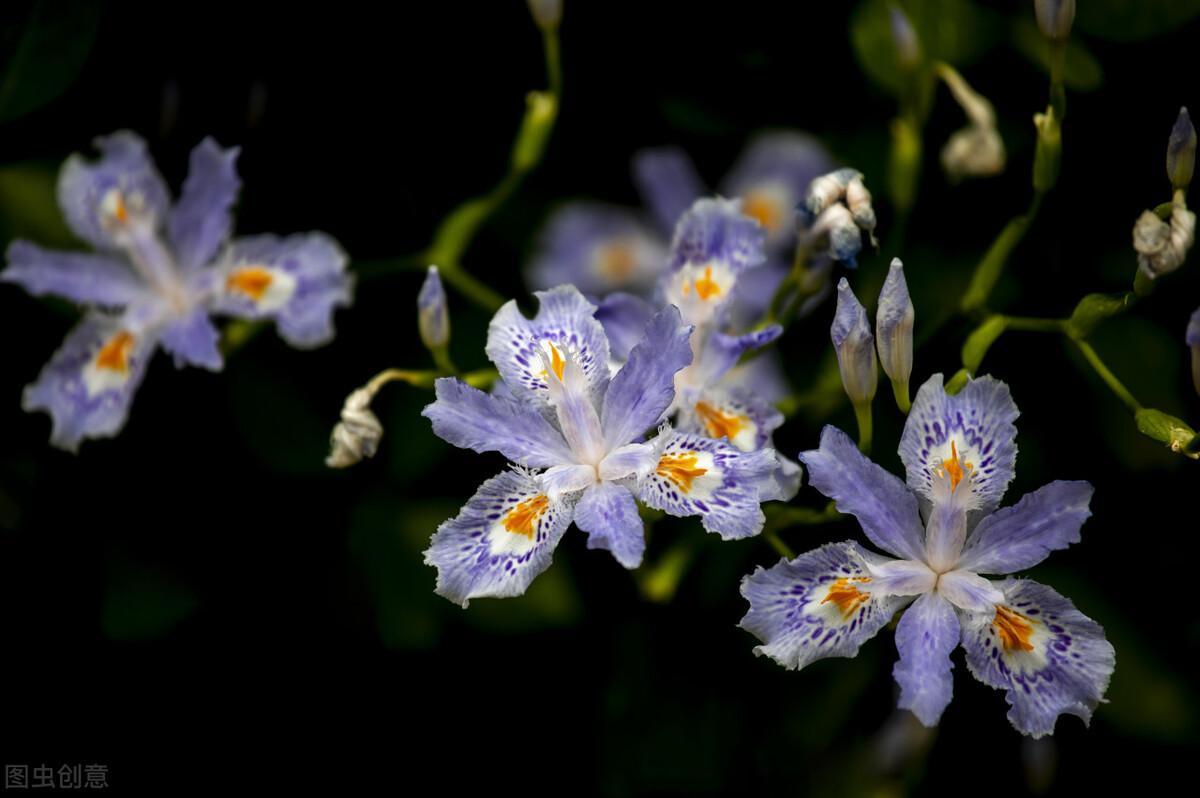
[(201, 604)]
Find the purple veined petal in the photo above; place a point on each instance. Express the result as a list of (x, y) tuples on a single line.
[(1021, 536), (811, 607), (884, 507), (721, 352), (668, 182), (624, 318), (644, 388), (976, 426), (193, 341), (123, 187), (771, 178), (730, 414), (762, 375), (1049, 657), (608, 513), (783, 483), (565, 321), (90, 381), (503, 538), (927, 634), (471, 419), (969, 591), (201, 222), (714, 230), (634, 460), (709, 478), (297, 282), (598, 249), (81, 277)]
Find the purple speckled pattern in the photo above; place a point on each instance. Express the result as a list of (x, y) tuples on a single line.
[(789, 614), (160, 274), (61, 390), (468, 565), (1019, 636), (729, 503), (716, 229), (979, 419), (1067, 674), (587, 431)]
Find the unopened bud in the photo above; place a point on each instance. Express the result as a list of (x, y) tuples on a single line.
[(894, 327), (1181, 151), (1048, 155), (1055, 18), (357, 434), (908, 48), (1193, 341), (433, 318), (1162, 247), (855, 346), (546, 13)]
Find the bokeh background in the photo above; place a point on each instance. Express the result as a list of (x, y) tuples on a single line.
[(200, 603)]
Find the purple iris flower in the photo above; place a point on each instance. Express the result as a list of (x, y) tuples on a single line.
[(714, 245), (157, 275), (583, 429), (601, 248), (943, 530)]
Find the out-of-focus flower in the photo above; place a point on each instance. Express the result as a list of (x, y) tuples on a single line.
[(1055, 18), (977, 149), (894, 327), (1181, 151), (835, 212), (855, 346), (1162, 247), (584, 427), (602, 249), (160, 271), (433, 317), (1020, 636)]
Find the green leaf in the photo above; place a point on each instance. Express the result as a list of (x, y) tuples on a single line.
[(49, 54), (1081, 70), (979, 341), (954, 31), (1133, 20)]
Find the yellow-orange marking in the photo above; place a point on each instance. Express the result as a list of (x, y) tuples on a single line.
[(955, 468), (114, 355), (718, 423), (1013, 629), (762, 209), (680, 468), (253, 281), (521, 519), (617, 262), (846, 596)]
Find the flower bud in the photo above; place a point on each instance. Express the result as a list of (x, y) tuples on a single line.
[(357, 434), (855, 347), (1048, 154), (546, 13), (433, 318), (1193, 341), (908, 48), (858, 200), (894, 327), (1181, 151), (1055, 18)]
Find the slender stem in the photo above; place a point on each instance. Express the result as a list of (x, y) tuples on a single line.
[(419, 379), (1029, 324), (900, 391), (471, 288), (784, 550), (1106, 374), (862, 413)]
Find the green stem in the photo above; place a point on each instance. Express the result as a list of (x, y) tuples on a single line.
[(471, 288), (987, 273), (784, 550), (900, 391), (1030, 324), (1106, 374), (862, 414)]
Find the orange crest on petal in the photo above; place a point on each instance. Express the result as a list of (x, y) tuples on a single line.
[(114, 355), (521, 519), (1013, 629), (253, 281), (680, 468)]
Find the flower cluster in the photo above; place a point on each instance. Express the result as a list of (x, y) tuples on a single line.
[(159, 273), (577, 433), (942, 530)]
